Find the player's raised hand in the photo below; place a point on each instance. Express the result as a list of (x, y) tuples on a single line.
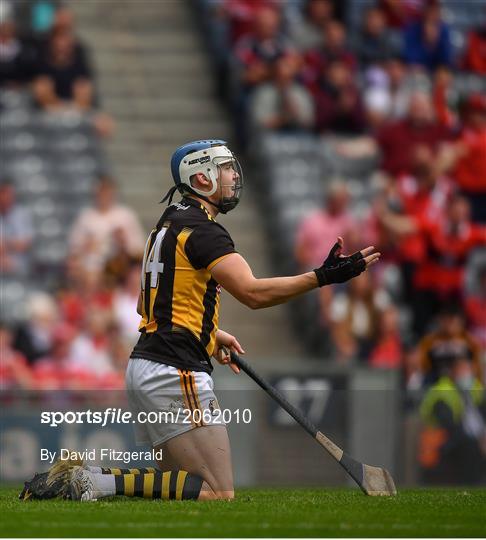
[(338, 268)]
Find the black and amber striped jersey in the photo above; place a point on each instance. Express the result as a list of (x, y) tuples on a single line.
[(179, 297)]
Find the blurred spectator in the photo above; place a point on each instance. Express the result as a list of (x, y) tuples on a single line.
[(318, 232), (16, 57), (16, 233), (63, 75), (256, 52), (354, 317), (427, 43), (398, 139), (282, 103), (338, 106), (91, 348), (54, 371), (399, 13), (476, 309), (34, 337), (449, 240), (120, 260), (334, 49), (14, 370), (240, 15), (453, 440), (475, 56), (420, 202), (85, 290), (449, 342), (92, 233), (125, 301), (466, 156), (306, 32), (445, 97), (387, 350), (374, 44)]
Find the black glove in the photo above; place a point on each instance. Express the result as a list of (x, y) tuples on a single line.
[(339, 269)]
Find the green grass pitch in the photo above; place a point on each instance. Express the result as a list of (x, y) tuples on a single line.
[(275, 512)]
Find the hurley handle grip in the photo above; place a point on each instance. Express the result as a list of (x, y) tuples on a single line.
[(275, 394)]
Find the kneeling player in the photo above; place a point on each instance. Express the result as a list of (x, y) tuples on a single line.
[(188, 257)]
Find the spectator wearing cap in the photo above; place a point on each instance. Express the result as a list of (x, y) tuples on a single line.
[(448, 342), (427, 43), (398, 139), (16, 233), (282, 104), (96, 226)]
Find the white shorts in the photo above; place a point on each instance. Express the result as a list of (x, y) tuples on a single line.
[(177, 400)]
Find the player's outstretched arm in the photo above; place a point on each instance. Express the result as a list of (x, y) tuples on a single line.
[(236, 276)]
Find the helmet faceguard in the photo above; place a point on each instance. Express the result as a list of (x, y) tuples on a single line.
[(205, 157)]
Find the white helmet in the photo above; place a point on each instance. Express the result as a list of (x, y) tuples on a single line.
[(204, 157)]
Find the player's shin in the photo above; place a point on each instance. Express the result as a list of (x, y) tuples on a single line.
[(169, 485)]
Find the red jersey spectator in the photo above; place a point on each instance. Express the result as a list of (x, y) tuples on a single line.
[(449, 240), (476, 309), (398, 139), (475, 56), (469, 154), (387, 351), (338, 106), (55, 371), (241, 15), (399, 13)]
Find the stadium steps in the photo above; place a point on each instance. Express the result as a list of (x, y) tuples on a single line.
[(154, 78)]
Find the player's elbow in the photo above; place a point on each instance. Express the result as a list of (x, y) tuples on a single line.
[(255, 301)]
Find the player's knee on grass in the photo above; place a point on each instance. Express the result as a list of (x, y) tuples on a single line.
[(209, 494)]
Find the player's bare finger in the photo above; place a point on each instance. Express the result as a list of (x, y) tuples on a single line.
[(367, 251), (372, 259), (235, 368)]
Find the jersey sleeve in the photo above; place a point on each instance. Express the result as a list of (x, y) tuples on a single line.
[(207, 244)]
